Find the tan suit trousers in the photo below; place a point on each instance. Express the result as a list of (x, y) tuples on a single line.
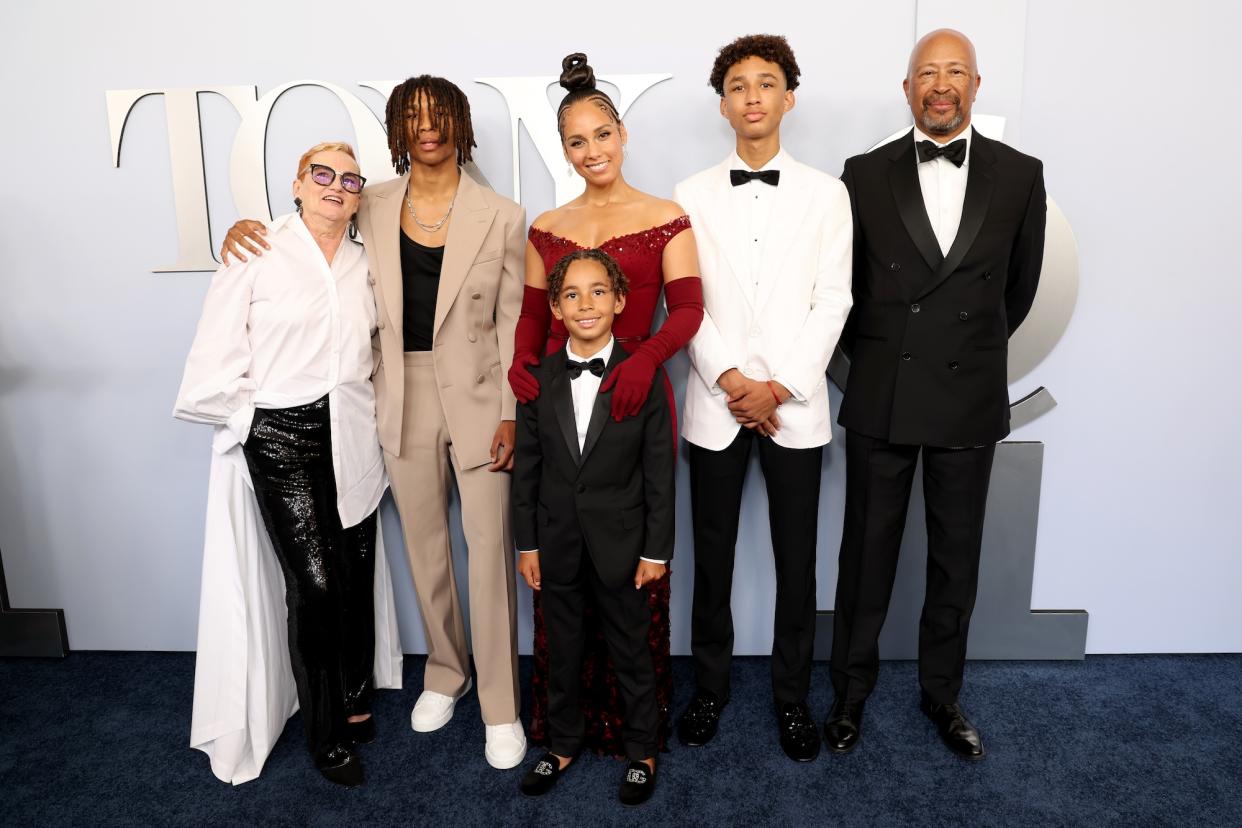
[(420, 480)]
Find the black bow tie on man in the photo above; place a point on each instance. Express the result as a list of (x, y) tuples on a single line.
[(740, 177), (575, 368), (954, 151)]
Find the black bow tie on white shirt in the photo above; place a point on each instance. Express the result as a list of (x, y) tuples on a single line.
[(954, 151), (740, 177), (575, 368)]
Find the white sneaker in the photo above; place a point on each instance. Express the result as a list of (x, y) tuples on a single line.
[(506, 745), (433, 710)]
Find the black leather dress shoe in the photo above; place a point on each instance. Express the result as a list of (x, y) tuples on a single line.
[(955, 730), (543, 776), (638, 784), (698, 724), (341, 765), (844, 726), (799, 735), (361, 733)]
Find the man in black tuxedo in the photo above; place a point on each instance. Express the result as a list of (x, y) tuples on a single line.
[(948, 246), (593, 505)]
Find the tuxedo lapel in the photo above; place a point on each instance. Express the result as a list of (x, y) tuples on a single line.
[(381, 234), (974, 210), (790, 209), (563, 403), (908, 195), (467, 229), (732, 227), (602, 408)]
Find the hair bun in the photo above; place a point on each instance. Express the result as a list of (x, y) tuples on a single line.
[(577, 73)]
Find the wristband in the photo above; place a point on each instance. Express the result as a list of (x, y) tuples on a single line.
[(775, 395)]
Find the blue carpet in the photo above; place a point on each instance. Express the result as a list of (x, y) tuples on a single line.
[(101, 739)]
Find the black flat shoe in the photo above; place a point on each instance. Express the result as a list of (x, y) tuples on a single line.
[(361, 733), (340, 765), (799, 735), (843, 729), (698, 724), (637, 785), (543, 776), (956, 731)]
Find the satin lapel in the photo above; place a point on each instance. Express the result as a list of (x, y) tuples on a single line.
[(563, 403), (471, 219), (904, 180), (789, 212), (381, 233), (974, 210), (732, 229), (602, 409)]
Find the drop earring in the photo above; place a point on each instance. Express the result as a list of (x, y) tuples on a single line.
[(297, 202)]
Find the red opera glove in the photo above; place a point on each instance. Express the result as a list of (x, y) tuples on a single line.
[(632, 378), (529, 341)]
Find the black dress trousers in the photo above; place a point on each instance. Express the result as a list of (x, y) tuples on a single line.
[(792, 477), (878, 479), (329, 570)]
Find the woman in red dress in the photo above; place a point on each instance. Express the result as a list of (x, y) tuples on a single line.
[(651, 239)]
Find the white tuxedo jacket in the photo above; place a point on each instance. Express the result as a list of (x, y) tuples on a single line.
[(787, 327)]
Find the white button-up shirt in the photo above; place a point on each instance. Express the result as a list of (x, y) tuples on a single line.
[(944, 189), (753, 200), (283, 330)]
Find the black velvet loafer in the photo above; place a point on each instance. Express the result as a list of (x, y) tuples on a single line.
[(799, 735), (698, 724), (843, 729), (956, 731), (637, 785), (361, 733), (543, 776), (341, 765)]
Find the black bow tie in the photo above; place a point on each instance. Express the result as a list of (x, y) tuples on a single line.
[(954, 151), (740, 177), (575, 368)]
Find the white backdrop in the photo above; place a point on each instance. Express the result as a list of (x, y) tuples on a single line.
[(102, 493)]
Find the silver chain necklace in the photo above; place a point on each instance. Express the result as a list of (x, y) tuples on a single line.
[(430, 228)]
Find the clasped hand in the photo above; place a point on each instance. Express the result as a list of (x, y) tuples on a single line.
[(753, 402)]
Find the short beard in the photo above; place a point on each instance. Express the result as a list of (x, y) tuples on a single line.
[(941, 128)]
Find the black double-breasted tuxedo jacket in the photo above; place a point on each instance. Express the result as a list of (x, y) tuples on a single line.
[(928, 334), (613, 500)]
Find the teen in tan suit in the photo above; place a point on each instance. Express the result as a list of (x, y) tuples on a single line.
[(446, 264)]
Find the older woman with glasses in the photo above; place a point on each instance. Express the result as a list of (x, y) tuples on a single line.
[(281, 365)]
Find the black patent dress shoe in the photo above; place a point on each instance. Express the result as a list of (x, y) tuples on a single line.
[(955, 730), (341, 765), (799, 735), (698, 724), (543, 776), (843, 729), (637, 785), (361, 733)]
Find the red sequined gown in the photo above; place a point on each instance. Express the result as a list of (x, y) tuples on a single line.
[(640, 257)]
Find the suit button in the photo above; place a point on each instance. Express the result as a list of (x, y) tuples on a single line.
[(963, 315), (987, 274), (476, 295), (755, 331), (380, 324), (894, 266), (915, 308), (906, 356), (479, 379), (582, 490), (370, 280), (952, 366), (472, 337)]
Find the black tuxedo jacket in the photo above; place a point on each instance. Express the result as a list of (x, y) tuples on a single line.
[(614, 500), (928, 334)]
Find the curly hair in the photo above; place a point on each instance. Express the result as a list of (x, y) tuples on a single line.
[(772, 48), (556, 279)]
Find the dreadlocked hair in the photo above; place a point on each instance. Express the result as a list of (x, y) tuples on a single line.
[(579, 79), (616, 278), (449, 108)]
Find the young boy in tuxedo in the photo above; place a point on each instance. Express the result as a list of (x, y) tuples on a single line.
[(593, 511)]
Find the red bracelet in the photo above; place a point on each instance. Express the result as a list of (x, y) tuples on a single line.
[(774, 394)]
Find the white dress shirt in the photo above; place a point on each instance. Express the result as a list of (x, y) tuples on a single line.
[(283, 330), (584, 389), (944, 188), (754, 201)]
